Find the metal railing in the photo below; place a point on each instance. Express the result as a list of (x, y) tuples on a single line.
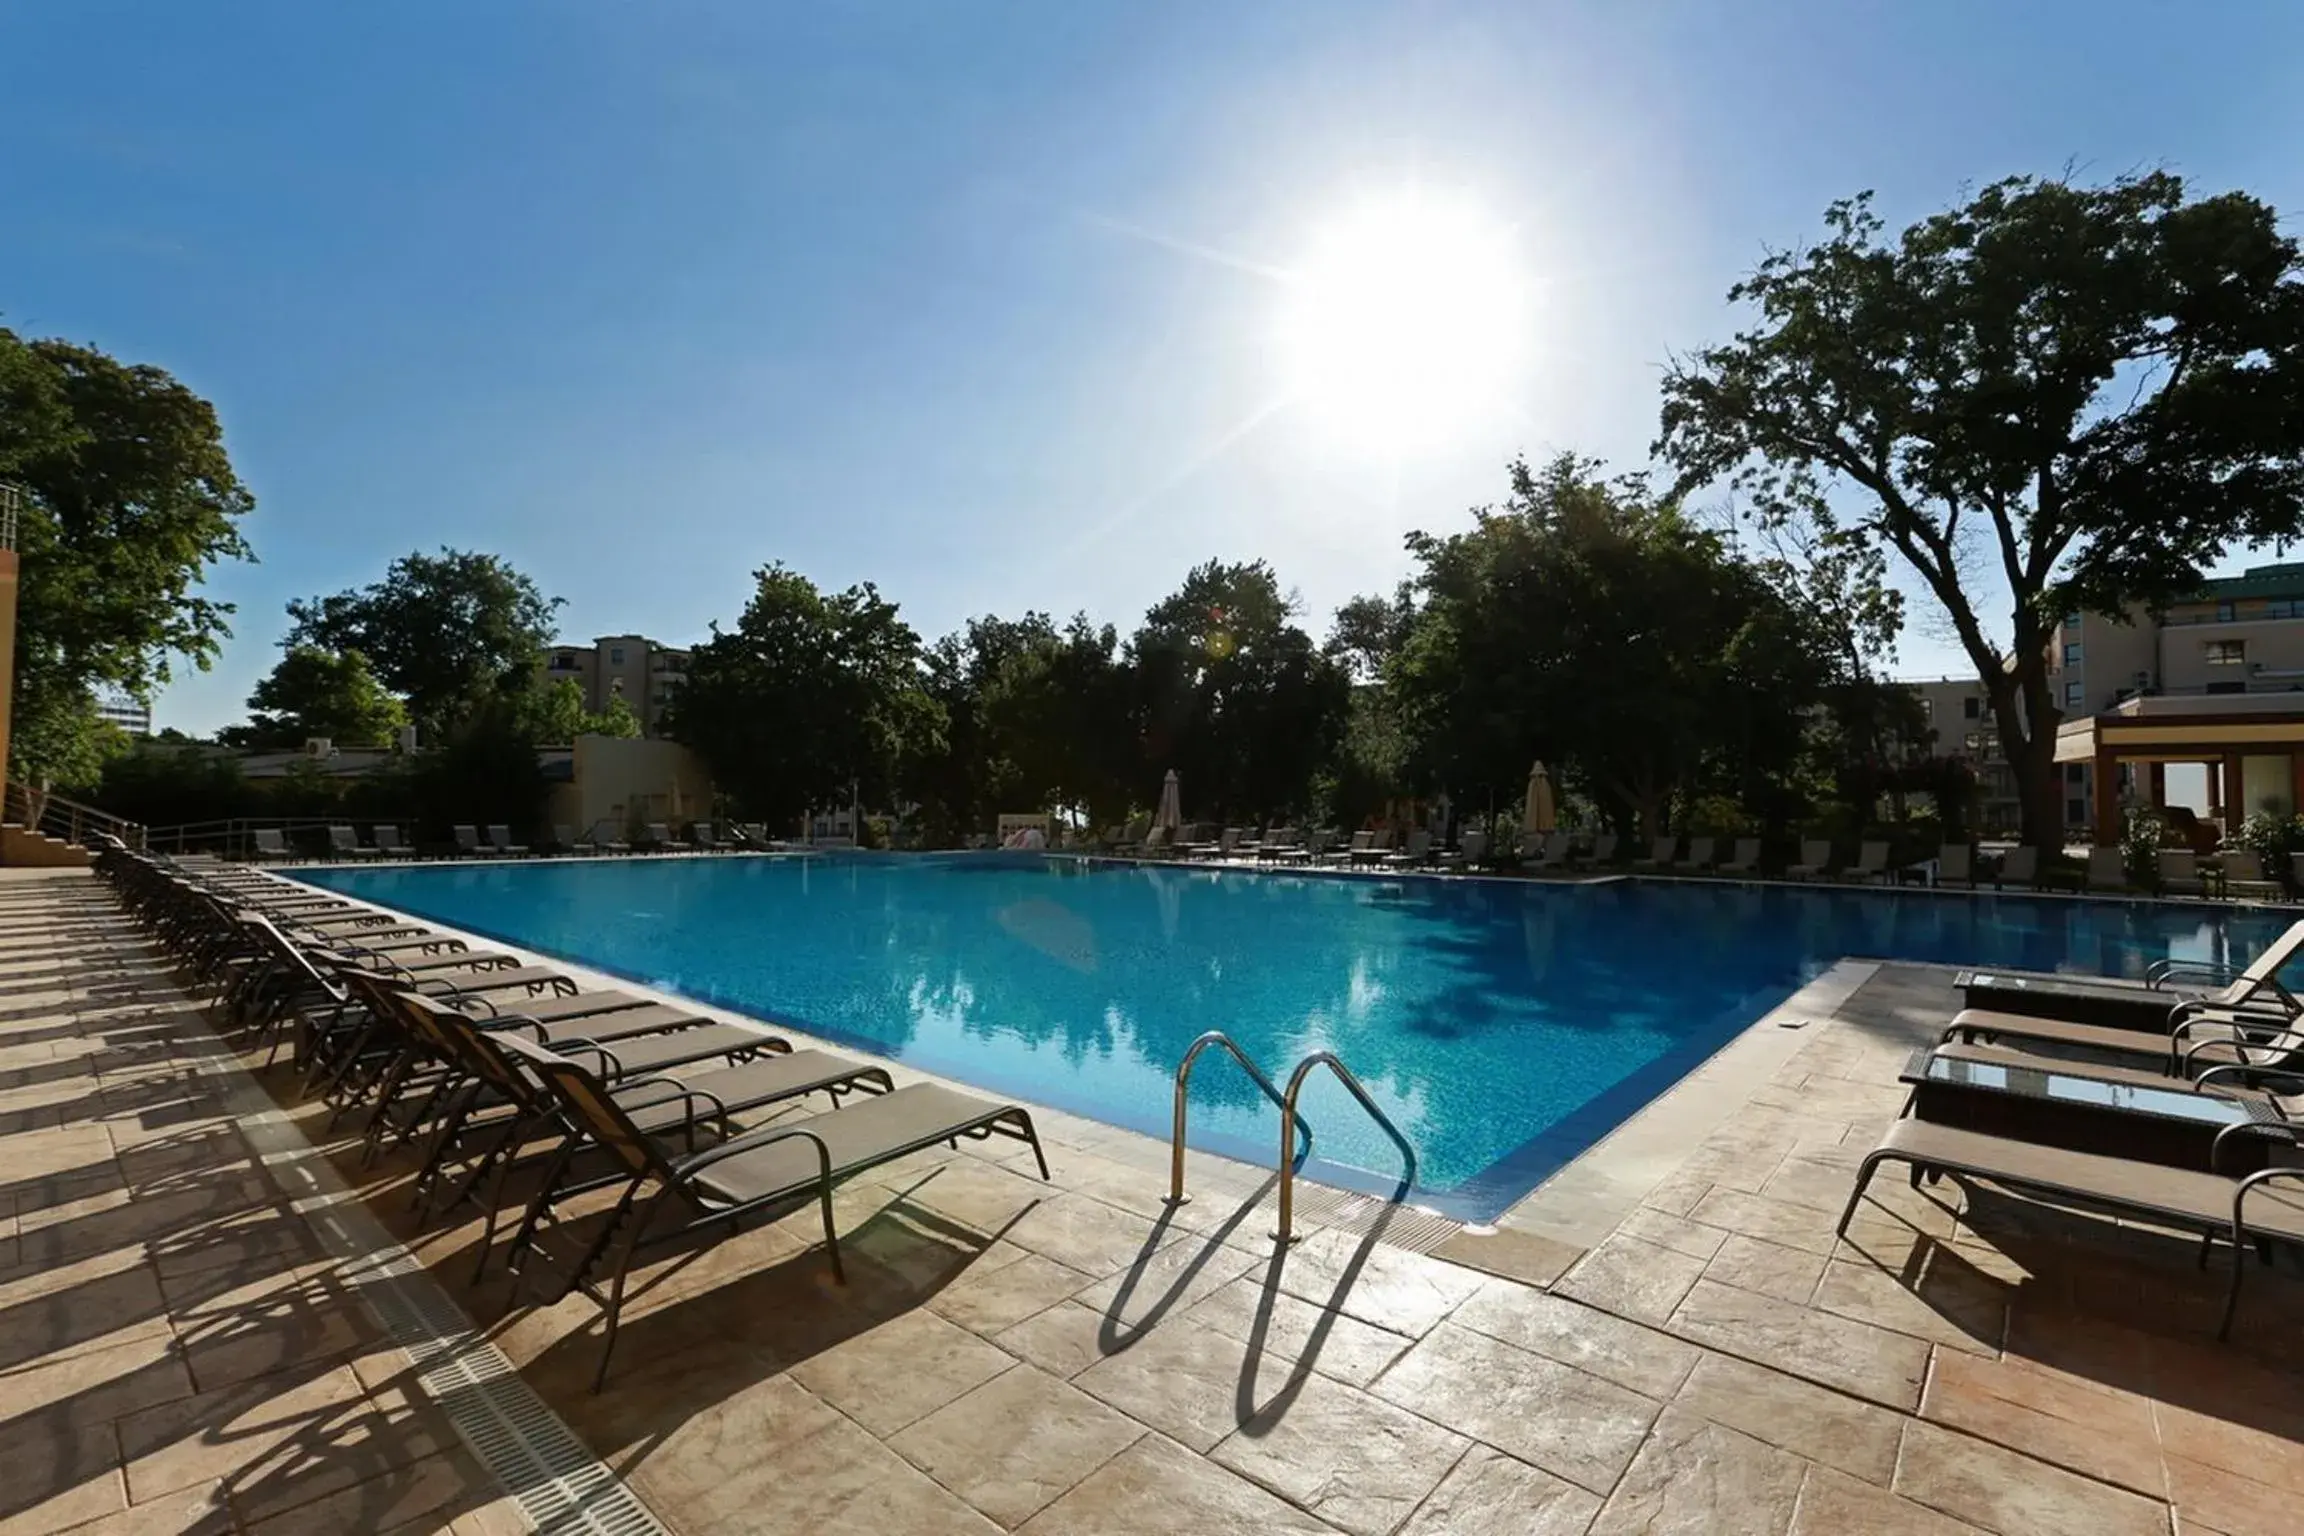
[(1286, 1232), (234, 837), (60, 816), (1290, 1120)]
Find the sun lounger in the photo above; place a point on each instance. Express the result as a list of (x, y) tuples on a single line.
[(700, 833), (1956, 864), (2168, 984), (604, 838), (1659, 856), (270, 844), (2020, 865), (1604, 848), (1545, 850), (2178, 871), (500, 841), (1470, 850), (1703, 853), (467, 840), (1746, 859), (1375, 850), (344, 843), (388, 843), (2244, 876), (2107, 869), (768, 1171), (1871, 863), (2242, 1210), (1418, 851), (1815, 859)]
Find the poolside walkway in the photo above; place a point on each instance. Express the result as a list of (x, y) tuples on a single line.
[(179, 1351)]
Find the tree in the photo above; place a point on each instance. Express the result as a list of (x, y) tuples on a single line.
[(453, 633), (554, 713), (1234, 695), (331, 694), (810, 695), (2089, 391), (130, 500)]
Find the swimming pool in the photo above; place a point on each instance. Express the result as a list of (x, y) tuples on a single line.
[(1505, 1026)]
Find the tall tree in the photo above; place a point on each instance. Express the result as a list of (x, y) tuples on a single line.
[(553, 713), (810, 694), (2089, 392), (130, 501), (1234, 695), (331, 694), (454, 633)]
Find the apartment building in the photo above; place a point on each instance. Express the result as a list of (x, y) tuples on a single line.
[(126, 711), (642, 672), (1960, 716), (2241, 635)]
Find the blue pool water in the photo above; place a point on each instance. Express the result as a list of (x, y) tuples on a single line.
[(1505, 1026)]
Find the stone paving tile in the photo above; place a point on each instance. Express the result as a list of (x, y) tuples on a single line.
[(1991, 1486), (1568, 1422), (1693, 1475), (1183, 1380), (1291, 1329), (1013, 1445), (1772, 1269), (1642, 1359), (1156, 1488), (1839, 1352), (1490, 1494), (1633, 1278), (1834, 1505), (1003, 1287), (2109, 1436), (1359, 1463), (1857, 1437), (51, 1478), (1527, 1257), (900, 1371), (1064, 1340), (1673, 1231), (1169, 1281), (1374, 1282), (1082, 1234), (1940, 1299), (2226, 1502), (839, 1481)]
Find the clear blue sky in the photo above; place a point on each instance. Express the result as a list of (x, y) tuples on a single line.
[(986, 303)]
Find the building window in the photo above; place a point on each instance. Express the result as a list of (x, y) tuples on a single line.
[(615, 655), (1972, 707), (2071, 623), (2072, 654), (2226, 653), (2073, 772), (564, 660), (2074, 696), (2075, 811), (2223, 613)]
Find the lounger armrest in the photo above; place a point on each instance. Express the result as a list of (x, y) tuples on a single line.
[(486, 1007), (608, 1068), (2185, 1014), (630, 1096), (2278, 1040), (2160, 971), (2271, 1130), (2246, 1074), (753, 1141), (2249, 1186)]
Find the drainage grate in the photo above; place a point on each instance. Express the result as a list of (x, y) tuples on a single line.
[(560, 1485), (1396, 1226)]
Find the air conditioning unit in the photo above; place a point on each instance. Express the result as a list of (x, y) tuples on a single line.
[(319, 746)]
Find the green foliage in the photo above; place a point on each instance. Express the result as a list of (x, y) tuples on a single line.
[(2142, 832), (809, 693), (59, 741), (2273, 839), (1234, 695), (455, 634), (485, 772), (312, 692), (130, 501), (553, 713), (2080, 395)]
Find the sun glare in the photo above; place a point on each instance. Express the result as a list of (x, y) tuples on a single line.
[(1404, 325)]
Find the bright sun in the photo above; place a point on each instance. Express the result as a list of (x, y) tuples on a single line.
[(1404, 325)]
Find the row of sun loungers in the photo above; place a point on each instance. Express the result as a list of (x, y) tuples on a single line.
[(523, 1092), (498, 842)]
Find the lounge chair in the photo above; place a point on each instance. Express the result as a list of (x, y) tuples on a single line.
[(565, 840), (1548, 850), (2178, 870), (700, 833), (2020, 865), (1376, 850), (270, 843), (2155, 1009), (343, 842), (2107, 869), (606, 837), (1703, 853), (1871, 863), (1418, 851), (1604, 848), (1470, 850), (1745, 860), (500, 841), (2244, 876), (1815, 859), (1956, 862), (1660, 852), (655, 837), (388, 843), (467, 840), (1159, 843), (2245, 1211), (767, 1171)]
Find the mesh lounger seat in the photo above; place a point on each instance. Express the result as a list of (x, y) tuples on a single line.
[(2197, 1040), (770, 1171), (2246, 1210)]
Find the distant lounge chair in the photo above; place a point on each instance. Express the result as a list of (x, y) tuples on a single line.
[(1418, 851), (2244, 876), (1956, 862), (1660, 852), (1604, 848), (1815, 860), (1470, 850), (500, 841), (2107, 869), (2243, 1210), (270, 843), (655, 837), (700, 833), (1548, 850), (467, 840), (1703, 853), (564, 839), (2020, 865), (388, 843), (343, 842), (2179, 872), (1872, 863), (604, 838), (1746, 860), (768, 1171), (1376, 850)]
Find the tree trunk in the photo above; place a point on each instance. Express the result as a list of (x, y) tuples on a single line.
[(2027, 716)]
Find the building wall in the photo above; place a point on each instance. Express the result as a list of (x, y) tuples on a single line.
[(631, 782), (642, 672)]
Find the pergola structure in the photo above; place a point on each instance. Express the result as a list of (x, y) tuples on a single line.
[(2251, 743)]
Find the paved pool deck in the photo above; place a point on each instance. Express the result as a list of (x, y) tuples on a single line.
[(188, 1344)]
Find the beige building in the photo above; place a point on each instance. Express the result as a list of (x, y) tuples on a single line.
[(628, 783), (639, 670), (1960, 716)]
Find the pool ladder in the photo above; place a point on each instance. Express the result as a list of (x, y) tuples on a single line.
[(1290, 1121)]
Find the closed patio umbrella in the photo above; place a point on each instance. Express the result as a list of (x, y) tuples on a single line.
[(1543, 812), (1171, 814)]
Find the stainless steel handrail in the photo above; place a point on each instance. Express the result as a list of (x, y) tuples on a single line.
[(1286, 1233), (1176, 1195)]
